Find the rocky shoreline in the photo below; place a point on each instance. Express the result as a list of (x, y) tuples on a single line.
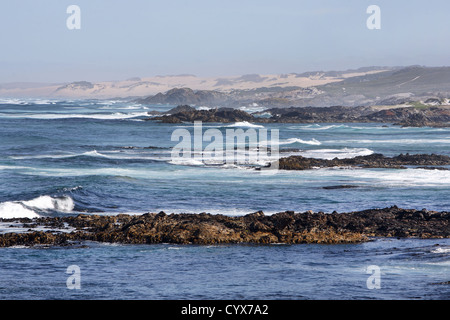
[(206, 229), (402, 161), (404, 116)]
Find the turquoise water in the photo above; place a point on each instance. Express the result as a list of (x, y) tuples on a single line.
[(68, 157)]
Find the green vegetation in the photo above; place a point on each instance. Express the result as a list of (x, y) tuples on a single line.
[(419, 105)]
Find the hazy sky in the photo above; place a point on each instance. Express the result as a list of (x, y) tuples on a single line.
[(120, 39)]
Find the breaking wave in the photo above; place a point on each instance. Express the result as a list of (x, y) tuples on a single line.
[(245, 124), (93, 153), (33, 208), (312, 142), (56, 116), (330, 154)]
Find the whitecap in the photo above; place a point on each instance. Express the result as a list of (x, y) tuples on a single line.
[(393, 141), (441, 250), (10, 210), (93, 153), (329, 127), (56, 116), (63, 204), (317, 127), (30, 208), (312, 142), (245, 124), (12, 101), (186, 162), (330, 154)]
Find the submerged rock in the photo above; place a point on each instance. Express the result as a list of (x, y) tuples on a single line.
[(339, 187)]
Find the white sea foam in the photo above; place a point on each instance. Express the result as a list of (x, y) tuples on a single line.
[(129, 107), (12, 101), (93, 153), (12, 167), (395, 177), (373, 177), (31, 208), (55, 116), (312, 142), (369, 126), (329, 154), (187, 162), (16, 101), (9, 210), (441, 250), (64, 204), (322, 127), (234, 166), (393, 141), (43, 102), (245, 124), (235, 158)]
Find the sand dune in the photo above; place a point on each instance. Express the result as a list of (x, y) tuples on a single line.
[(157, 84)]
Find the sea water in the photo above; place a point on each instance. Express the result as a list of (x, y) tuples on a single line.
[(102, 157)]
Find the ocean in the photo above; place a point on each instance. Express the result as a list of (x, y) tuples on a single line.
[(66, 157)]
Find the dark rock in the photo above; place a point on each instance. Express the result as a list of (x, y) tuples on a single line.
[(441, 283), (181, 108), (339, 187), (256, 215), (222, 115), (407, 116), (371, 161), (284, 227), (185, 96)]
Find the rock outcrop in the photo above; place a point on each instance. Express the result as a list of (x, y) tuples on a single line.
[(186, 96), (412, 117), (285, 227), (315, 114), (408, 116), (402, 161), (222, 115)]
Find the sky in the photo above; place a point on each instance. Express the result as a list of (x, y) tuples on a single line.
[(120, 39)]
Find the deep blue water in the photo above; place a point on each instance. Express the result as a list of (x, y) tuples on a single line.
[(67, 157), (410, 269)]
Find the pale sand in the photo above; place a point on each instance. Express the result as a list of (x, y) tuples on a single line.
[(154, 85)]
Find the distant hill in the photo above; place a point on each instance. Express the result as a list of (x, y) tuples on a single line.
[(359, 87), (410, 84), (180, 96), (378, 86)]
